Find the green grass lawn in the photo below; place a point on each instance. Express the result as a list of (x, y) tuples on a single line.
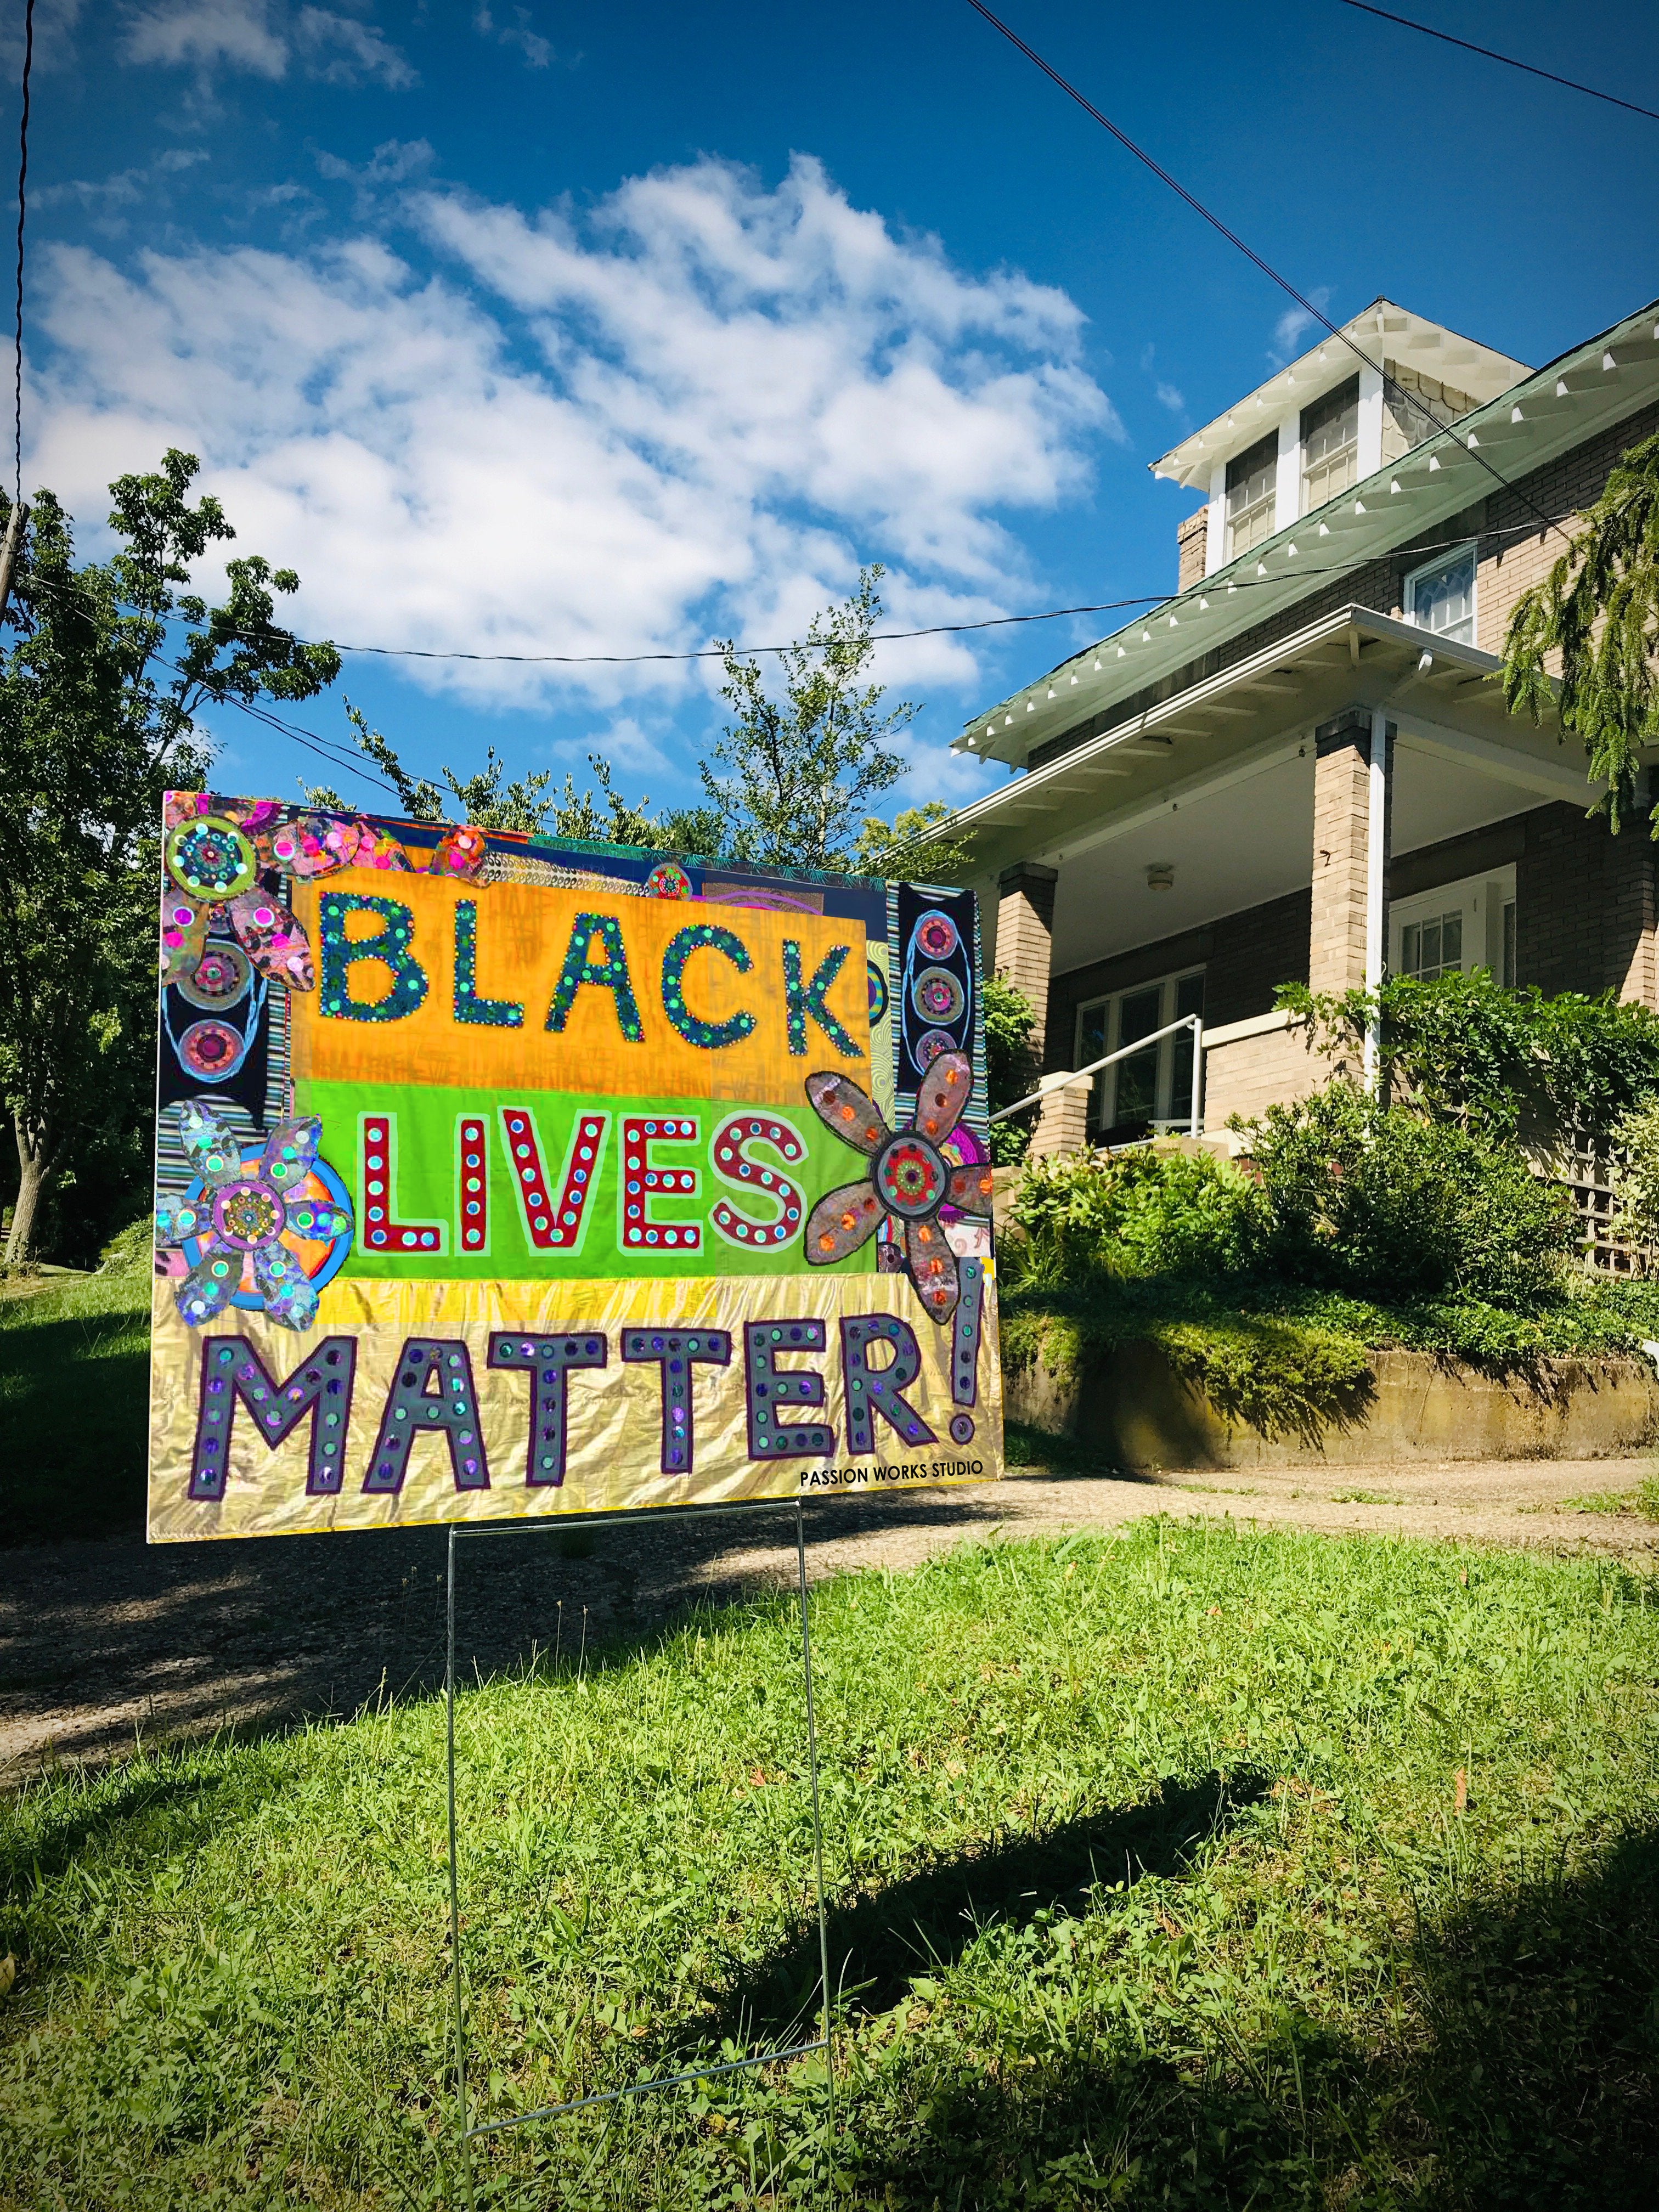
[(74, 1372), (1184, 1868)]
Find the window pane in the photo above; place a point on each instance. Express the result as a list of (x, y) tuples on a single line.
[(1411, 949), (1443, 598), (1190, 1000), (1430, 949), (1252, 493), (1508, 978), (1136, 1088), (1092, 1045), (1451, 942), (1142, 1014)]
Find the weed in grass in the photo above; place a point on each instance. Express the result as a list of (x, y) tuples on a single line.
[(1641, 1504), (1148, 1879), (1367, 1497)]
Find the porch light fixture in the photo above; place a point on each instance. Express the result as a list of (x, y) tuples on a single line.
[(1160, 876)]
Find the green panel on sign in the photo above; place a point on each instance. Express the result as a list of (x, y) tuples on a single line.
[(452, 1183)]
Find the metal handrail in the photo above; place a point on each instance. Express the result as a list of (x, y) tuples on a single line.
[(1063, 1077)]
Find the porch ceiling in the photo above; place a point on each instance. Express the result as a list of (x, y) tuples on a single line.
[(1233, 728)]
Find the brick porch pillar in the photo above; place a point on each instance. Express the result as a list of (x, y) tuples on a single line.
[(1347, 943), (1025, 928)]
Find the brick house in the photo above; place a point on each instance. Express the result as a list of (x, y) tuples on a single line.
[(1296, 768)]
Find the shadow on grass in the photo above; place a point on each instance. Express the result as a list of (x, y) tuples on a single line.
[(880, 1943), (72, 1396), (1524, 2073)]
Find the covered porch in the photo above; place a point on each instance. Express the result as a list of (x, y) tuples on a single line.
[(1354, 797)]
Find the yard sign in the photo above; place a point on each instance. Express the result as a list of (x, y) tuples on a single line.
[(499, 1179)]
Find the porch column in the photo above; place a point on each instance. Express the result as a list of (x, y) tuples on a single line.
[(1025, 928), (1348, 940)]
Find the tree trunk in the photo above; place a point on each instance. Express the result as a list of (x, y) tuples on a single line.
[(36, 1166)]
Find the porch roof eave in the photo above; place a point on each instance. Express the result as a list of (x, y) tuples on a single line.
[(1227, 727)]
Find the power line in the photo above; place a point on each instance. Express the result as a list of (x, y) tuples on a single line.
[(22, 202), (1507, 60), (1316, 314)]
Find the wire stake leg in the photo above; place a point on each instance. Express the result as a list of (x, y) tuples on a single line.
[(818, 1837), (454, 1895)]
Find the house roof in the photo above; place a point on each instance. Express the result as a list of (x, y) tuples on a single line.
[(1535, 420), (1382, 331)]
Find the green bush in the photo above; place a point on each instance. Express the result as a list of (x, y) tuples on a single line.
[(1380, 1202), (1010, 1065), (1141, 1212)]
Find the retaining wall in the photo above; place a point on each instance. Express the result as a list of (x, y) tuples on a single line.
[(1132, 1404)]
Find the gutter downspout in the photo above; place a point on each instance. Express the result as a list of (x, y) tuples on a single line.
[(1376, 832)]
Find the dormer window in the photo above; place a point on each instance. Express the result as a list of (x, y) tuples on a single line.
[(1330, 444), (1440, 597), (1252, 494)]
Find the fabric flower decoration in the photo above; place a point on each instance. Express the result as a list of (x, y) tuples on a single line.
[(248, 1212), (909, 1178)]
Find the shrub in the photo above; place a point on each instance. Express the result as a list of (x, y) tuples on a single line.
[(1381, 1201), (1010, 1065), (1637, 1181), (1142, 1212)]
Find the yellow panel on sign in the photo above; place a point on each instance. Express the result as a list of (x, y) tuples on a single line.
[(540, 989), (472, 1371)]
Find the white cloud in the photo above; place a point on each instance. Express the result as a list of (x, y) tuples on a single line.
[(103, 197), (1169, 397), (1294, 324), (259, 37), (694, 413), (178, 33), (538, 52)]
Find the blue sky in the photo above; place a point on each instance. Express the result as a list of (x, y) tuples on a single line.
[(566, 328)]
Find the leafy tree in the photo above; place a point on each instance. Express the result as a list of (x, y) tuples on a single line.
[(111, 663), (529, 804), (911, 845), (792, 776), (1598, 609)]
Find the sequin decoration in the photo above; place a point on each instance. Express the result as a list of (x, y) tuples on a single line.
[(388, 946), (670, 881), (704, 936), (937, 997), (383, 1231), (432, 1395), (472, 1181), (909, 1179), (609, 972), (222, 974), (677, 1352), (965, 1325), (277, 944), (212, 1050), (770, 1391), (878, 1392), (734, 1165), (251, 1214), (643, 1180), (184, 933), (805, 1001), (547, 1358), (210, 858), (554, 1228), (460, 853), (935, 936), (487, 1013), (319, 1387)]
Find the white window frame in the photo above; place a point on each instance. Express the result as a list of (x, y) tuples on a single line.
[(1482, 901), (1105, 1083), (1468, 551)]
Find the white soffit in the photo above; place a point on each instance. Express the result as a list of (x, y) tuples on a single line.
[(1532, 424), (1381, 331)]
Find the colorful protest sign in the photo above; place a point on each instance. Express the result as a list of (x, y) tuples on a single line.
[(499, 1179)]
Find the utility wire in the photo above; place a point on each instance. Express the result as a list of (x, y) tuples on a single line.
[(22, 182), (1507, 60), (1316, 314)]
